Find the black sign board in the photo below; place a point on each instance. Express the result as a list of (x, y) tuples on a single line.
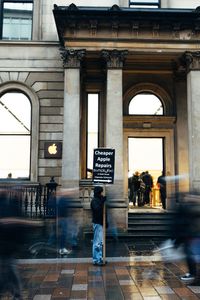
[(53, 149), (103, 165)]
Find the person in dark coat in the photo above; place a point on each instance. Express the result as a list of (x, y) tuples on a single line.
[(148, 181), (161, 182), (134, 186), (97, 207)]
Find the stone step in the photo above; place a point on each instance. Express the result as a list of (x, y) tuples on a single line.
[(148, 228), (150, 216), (149, 222)]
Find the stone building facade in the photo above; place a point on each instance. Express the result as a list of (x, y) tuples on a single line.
[(117, 51)]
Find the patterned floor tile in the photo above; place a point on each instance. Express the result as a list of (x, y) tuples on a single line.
[(67, 271), (152, 298), (162, 290), (195, 289), (42, 297), (126, 282), (79, 287)]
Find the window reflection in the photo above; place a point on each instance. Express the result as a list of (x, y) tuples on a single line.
[(145, 104), (15, 116)]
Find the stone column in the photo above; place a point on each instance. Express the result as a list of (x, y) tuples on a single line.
[(192, 60), (71, 125), (114, 120)]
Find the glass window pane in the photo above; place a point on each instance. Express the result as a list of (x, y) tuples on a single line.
[(15, 114), (15, 135), (20, 21), (144, 3), (92, 128), (145, 104), (144, 6), (15, 156), (18, 6)]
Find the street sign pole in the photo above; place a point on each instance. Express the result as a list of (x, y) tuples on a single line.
[(104, 227)]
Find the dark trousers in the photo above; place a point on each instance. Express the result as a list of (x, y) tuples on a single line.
[(147, 195), (191, 263), (9, 278)]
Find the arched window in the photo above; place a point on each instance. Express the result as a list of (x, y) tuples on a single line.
[(145, 104), (15, 135)]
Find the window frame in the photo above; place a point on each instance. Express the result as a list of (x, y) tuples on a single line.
[(133, 3), (1, 14), (146, 94), (13, 134), (98, 121), (34, 101)]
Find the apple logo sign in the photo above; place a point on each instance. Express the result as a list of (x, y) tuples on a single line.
[(52, 149)]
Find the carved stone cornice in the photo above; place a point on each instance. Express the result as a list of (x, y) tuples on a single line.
[(191, 60), (72, 58), (114, 58)]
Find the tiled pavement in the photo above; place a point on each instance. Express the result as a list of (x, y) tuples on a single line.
[(132, 272), (148, 280)]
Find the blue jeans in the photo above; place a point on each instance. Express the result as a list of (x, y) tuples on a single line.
[(97, 248)]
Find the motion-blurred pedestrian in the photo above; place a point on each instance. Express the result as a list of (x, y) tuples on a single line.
[(14, 229), (186, 231)]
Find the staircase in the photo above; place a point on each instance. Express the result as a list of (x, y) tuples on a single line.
[(144, 224), (149, 224)]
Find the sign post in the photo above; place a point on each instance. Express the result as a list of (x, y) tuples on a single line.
[(103, 172)]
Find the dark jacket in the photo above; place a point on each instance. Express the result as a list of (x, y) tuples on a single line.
[(97, 205), (12, 229)]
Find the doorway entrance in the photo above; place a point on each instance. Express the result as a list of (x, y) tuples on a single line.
[(166, 135), (146, 155)]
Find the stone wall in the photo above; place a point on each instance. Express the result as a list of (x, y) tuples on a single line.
[(40, 71)]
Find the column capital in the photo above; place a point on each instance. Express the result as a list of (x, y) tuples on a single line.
[(72, 58), (114, 58), (191, 60)]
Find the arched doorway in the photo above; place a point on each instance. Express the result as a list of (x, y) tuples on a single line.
[(149, 138)]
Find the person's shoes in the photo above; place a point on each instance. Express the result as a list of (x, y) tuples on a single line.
[(64, 251), (187, 277)]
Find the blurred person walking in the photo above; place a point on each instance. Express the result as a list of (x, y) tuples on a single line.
[(97, 207), (14, 231), (63, 231), (186, 231), (9, 243)]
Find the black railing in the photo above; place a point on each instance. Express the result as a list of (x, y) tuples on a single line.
[(33, 197)]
